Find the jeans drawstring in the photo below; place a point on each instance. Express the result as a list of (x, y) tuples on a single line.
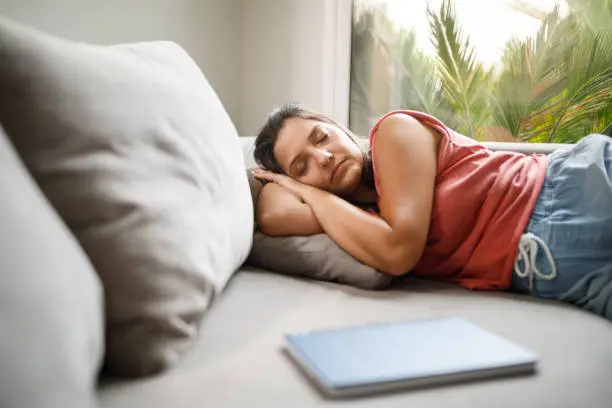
[(527, 253)]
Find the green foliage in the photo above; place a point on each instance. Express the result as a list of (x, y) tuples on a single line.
[(420, 88), (587, 95), (361, 51), (554, 87), (464, 81)]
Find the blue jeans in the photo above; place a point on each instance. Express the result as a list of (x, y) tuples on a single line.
[(566, 250)]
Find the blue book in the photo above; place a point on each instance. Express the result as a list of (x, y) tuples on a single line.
[(355, 361)]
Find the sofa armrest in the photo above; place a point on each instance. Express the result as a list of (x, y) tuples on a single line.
[(527, 148)]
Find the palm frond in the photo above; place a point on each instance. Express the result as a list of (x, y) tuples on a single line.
[(589, 83), (362, 45), (530, 80), (594, 15), (464, 81), (419, 87)]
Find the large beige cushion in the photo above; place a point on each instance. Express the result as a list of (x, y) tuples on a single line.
[(135, 151), (51, 312)]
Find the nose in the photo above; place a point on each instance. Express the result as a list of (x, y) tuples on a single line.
[(324, 157)]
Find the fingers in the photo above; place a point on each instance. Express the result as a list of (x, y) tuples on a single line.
[(262, 174), (259, 172)]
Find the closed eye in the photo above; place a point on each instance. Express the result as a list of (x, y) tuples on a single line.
[(323, 137)]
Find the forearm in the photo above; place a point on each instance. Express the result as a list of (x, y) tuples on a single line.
[(299, 220), (280, 212), (367, 237)]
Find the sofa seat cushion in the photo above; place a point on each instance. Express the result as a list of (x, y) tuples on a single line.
[(238, 360)]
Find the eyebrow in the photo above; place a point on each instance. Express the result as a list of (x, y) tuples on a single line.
[(310, 137)]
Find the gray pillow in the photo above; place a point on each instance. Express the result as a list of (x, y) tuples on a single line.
[(316, 256), (51, 310), (137, 154)]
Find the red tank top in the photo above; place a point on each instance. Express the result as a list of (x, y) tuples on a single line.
[(482, 203)]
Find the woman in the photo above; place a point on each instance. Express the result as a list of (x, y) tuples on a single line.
[(447, 208)]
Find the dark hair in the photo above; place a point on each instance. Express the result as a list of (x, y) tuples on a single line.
[(266, 139)]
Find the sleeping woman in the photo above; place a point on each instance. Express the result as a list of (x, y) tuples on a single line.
[(445, 207)]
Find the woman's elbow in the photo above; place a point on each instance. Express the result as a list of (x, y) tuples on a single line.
[(397, 268), (400, 261), (268, 223)]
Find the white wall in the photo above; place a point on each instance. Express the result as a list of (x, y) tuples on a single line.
[(209, 30), (256, 54), (294, 51)]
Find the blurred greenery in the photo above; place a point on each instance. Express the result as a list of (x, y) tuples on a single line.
[(555, 87)]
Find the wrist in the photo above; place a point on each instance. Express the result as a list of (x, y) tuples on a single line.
[(309, 193)]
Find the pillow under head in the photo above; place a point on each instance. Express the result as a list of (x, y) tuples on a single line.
[(316, 256)]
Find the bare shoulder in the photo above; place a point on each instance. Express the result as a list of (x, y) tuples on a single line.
[(398, 119), (407, 126), (404, 131)]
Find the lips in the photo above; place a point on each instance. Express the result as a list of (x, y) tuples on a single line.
[(337, 170)]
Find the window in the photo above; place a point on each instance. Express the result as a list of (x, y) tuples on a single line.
[(495, 70)]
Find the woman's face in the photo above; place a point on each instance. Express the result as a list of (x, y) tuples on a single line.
[(319, 154)]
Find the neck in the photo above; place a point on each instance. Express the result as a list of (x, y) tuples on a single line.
[(363, 195)]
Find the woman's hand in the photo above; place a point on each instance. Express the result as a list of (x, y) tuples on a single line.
[(291, 184)]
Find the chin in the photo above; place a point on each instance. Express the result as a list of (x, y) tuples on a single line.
[(351, 181)]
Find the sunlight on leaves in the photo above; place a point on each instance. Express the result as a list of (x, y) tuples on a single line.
[(555, 86)]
